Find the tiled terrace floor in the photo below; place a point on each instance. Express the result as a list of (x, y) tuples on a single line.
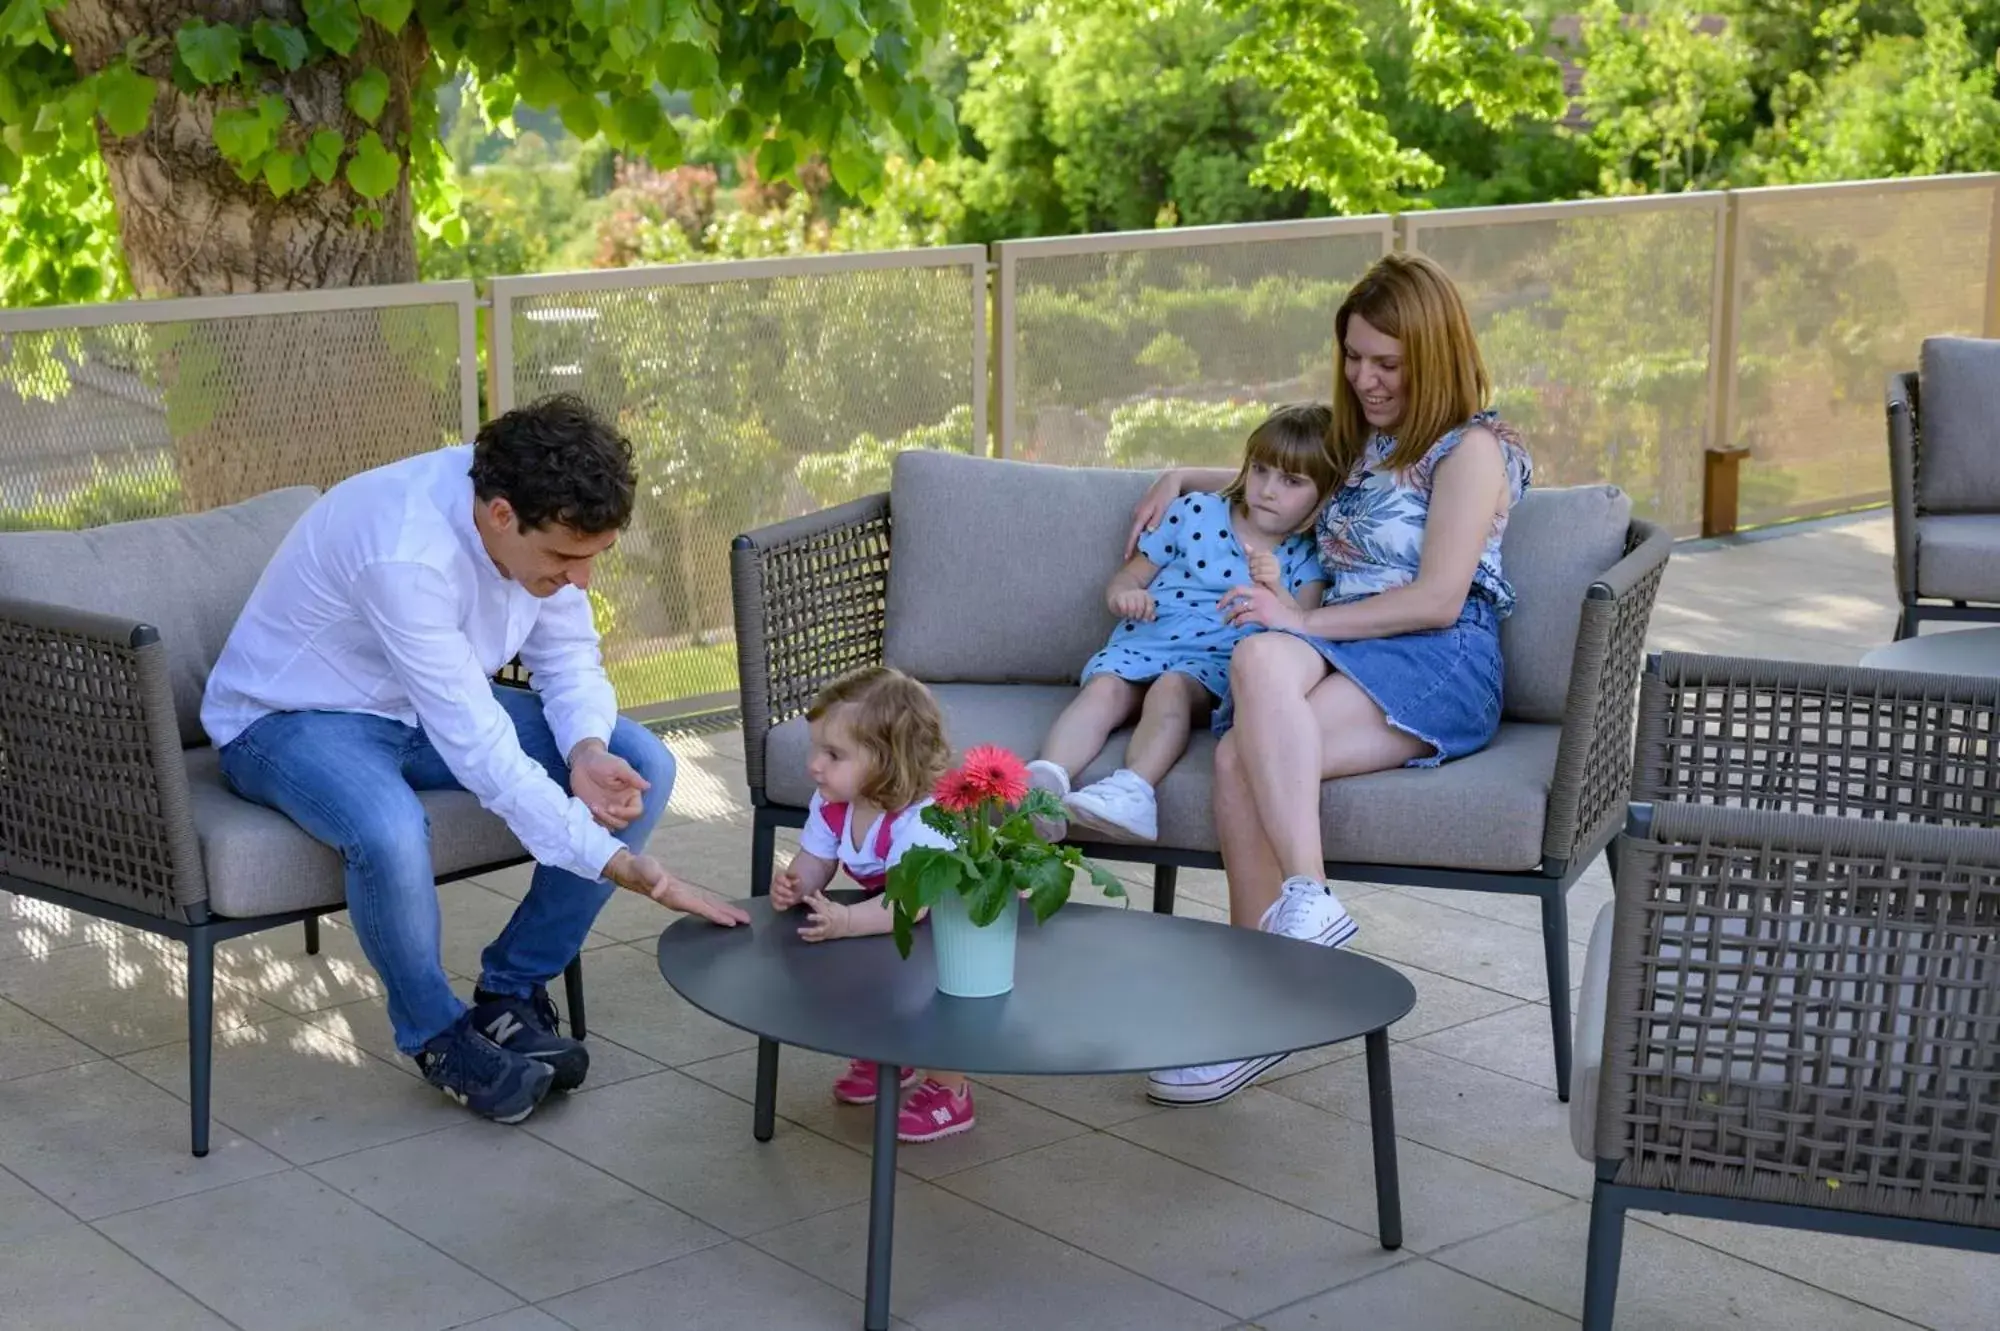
[(341, 1193)]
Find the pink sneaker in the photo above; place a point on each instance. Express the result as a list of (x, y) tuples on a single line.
[(858, 1086), (932, 1112)]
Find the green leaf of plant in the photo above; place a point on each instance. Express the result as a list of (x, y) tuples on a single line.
[(391, 14), (285, 172), (212, 52), (125, 97), (373, 170), (323, 154), (242, 135), (336, 23), (1048, 881), (581, 115), (777, 157), (638, 118), (736, 127), (857, 167), (280, 43), (368, 94)]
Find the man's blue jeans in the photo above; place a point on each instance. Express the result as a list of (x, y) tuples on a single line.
[(351, 781)]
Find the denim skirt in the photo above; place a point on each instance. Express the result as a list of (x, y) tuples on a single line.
[(1442, 685)]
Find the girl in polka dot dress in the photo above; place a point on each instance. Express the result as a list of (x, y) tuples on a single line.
[(1168, 660)]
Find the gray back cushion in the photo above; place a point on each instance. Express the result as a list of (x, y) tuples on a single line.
[(1558, 542), (186, 576), (999, 571), (999, 567), (1958, 460)]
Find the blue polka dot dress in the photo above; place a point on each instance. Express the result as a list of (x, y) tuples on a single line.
[(1200, 559)]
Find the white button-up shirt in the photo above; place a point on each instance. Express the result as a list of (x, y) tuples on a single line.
[(382, 599)]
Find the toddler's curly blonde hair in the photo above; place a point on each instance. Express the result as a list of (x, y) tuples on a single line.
[(897, 724)]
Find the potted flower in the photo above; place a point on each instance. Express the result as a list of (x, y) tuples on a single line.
[(974, 890)]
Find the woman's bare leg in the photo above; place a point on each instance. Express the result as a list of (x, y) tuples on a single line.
[(1247, 858), (1278, 744), (1354, 736), (1104, 704), (1174, 702)]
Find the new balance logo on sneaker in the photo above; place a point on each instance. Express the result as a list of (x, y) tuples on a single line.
[(504, 1028)]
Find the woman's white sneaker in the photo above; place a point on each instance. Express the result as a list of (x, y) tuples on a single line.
[(1307, 909), (1122, 803), (1045, 775), (1208, 1084)]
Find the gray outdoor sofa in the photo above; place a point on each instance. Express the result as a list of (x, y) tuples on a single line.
[(111, 801), (1944, 483), (994, 596)]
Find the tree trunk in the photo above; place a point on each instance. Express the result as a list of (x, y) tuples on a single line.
[(299, 399), (189, 226)]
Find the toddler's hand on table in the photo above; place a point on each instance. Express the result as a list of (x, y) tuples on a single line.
[(785, 890), (825, 919)]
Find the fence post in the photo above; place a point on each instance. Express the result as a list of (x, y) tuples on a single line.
[(982, 387), (1004, 350), (499, 351), (1993, 266), (1722, 455), (468, 363)]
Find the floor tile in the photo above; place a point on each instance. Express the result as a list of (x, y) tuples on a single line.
[(520, 1319), (1417, 1296), (631, 1005), (1435, 938), (961, 1266), (1665, 1283), (1504, 1124), (690, 1146), (126, 995), (98, 1138), (29, 1045), (1096, 1102), (1442, 1002), (31, 929), (715, 854), (1325, 1164), (275, 966), (321, 1260), (78, 1280), (294, 1088), (473, 917), (730, 1288), (25, 1214), (1517, 1042), (1006, 1125), (1935, 1287), (517, 1210), (1210, 1239)]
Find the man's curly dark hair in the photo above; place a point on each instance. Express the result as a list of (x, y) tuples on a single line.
[(556, 461)]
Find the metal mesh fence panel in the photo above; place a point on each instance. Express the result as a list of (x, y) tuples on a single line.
[(1838, 286), (109, 413), (752, 392), (1150, 350), (1595, 322)]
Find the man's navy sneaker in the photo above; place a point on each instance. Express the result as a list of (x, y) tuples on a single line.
[(492, 1082), (529, 1027)]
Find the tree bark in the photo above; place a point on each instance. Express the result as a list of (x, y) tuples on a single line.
[(190, 227), (280, 399)]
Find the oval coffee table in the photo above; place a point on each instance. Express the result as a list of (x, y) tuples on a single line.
[(1957, 652), (1096, 990)]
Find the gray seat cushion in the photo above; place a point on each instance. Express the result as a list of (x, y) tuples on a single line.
[(186, 576), (1958, 462), (999, 568), (258, 862), (1481, 812), (1558, 542), (1958, 556)]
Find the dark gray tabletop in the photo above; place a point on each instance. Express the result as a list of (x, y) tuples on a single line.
[(1958, 652), (1096, 989)]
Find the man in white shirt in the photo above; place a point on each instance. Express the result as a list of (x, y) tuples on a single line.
[(360, 673)]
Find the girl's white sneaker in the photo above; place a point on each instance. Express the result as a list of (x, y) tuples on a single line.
[(1122, 803)]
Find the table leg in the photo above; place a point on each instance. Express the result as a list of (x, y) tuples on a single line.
[(1382, 1123), (882, 1196), (764, 1113)]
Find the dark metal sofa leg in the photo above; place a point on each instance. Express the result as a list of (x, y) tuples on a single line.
[(1166, 878), (1555, 943), (201, 1031), (312, 935), (1600, 1272), (764, 1113), (573, 995)]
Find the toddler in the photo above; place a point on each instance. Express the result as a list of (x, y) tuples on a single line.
[(1168, 661), (878, 749)]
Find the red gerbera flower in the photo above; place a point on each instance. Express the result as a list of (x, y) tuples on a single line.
[(956, 793), (996, 774)]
